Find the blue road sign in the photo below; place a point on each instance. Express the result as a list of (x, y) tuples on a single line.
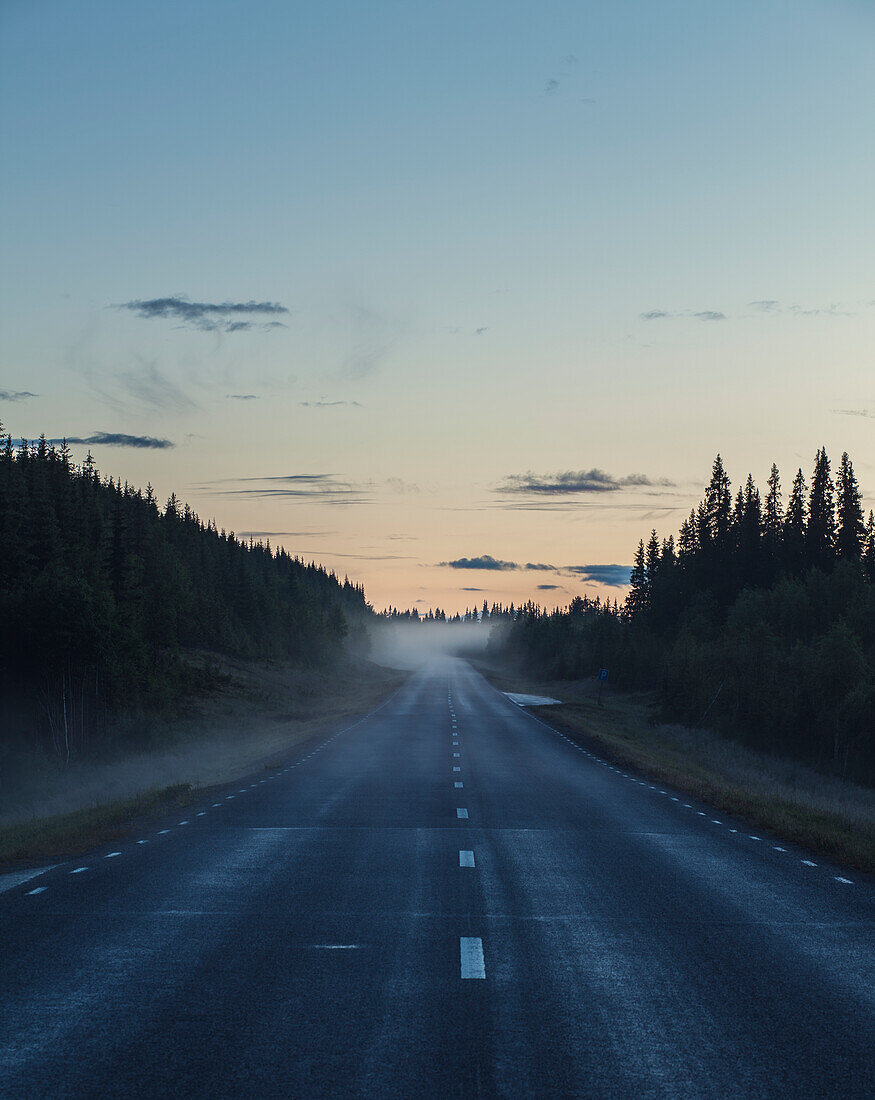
[(603, 674)]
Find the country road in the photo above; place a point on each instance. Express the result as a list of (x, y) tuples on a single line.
[(446, 899)]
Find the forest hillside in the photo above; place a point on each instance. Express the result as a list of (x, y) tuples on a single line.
[(103, 590), (757, 620)]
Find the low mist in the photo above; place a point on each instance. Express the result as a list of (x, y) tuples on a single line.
[(413, 644)]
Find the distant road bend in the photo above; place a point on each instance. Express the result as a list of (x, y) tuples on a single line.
[(448, 899)]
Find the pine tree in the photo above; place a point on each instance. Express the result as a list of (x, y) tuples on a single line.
[(869, 548), (636, 601), (851, 531), (718, 503), (820, 530)]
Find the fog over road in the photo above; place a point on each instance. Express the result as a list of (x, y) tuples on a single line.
[(446, 899)]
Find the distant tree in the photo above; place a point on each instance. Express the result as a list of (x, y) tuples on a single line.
[(718, 503)]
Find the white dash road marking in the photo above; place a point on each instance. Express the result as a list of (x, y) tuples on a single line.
[(183, 823), (778, 848), (203, 813), (838, 878), (78, 870), (456, 768), (471, 957), (142, 841), (466, 859), (111, 855), (457, 754), (215, 804), (161, 832), (751, 837), (461, 812), (808, 863), (714, 821), (457, 784), (40, 889)]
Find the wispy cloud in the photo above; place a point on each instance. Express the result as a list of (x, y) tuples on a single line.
[(207, 316), (243, 396), (773, 306), (473, 589), (487, 562), (699, 315), (16, 395), (572, 482), (613, 576), (549, 587), (867, 413), (329, 404), (150, 386), (551, 87), (292, 488)]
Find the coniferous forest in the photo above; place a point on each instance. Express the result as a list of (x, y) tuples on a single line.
[(757, 620), (102, 590)]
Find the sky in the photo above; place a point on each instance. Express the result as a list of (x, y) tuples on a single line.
[(459, 299)]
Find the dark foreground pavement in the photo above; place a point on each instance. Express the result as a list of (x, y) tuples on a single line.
[(340, 927)]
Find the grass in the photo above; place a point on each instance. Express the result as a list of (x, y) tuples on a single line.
[(67, 834), (822, 813)]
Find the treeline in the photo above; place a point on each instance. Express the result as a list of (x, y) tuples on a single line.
[(102, 589), (758, 619)]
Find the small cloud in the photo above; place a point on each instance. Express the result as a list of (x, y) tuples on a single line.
[(867, 413), (710, 315), (473, 589), (551, 87), (486, 561), (570, 60), (613, 576), (481, 330), (765, 305), (243, 396), (548, 587), (117, 439), (16, 395), (654, 315), (578, 481), (207, 316)]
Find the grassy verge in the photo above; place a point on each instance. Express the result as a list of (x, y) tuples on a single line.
[(820, 812), (66, 834), (257, 719)]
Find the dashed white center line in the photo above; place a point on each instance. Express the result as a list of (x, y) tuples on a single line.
[(808, 863), (203, 813), (714, 821), (778, 848), (37, 890), (457, 784), (457, 754), (471, 955), (142, 841), (183, 822), (161, 832), (215, 804), (456, 768), (838, 878), (751, 837), (466, 859), (78, 870), (111, 855), (461, 811)]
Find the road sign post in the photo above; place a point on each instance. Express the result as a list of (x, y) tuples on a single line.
[(603, 679)]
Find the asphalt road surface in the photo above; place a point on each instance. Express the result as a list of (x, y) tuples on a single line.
[(447, 899)]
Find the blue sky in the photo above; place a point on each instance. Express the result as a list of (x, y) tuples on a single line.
[(510, 237)]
